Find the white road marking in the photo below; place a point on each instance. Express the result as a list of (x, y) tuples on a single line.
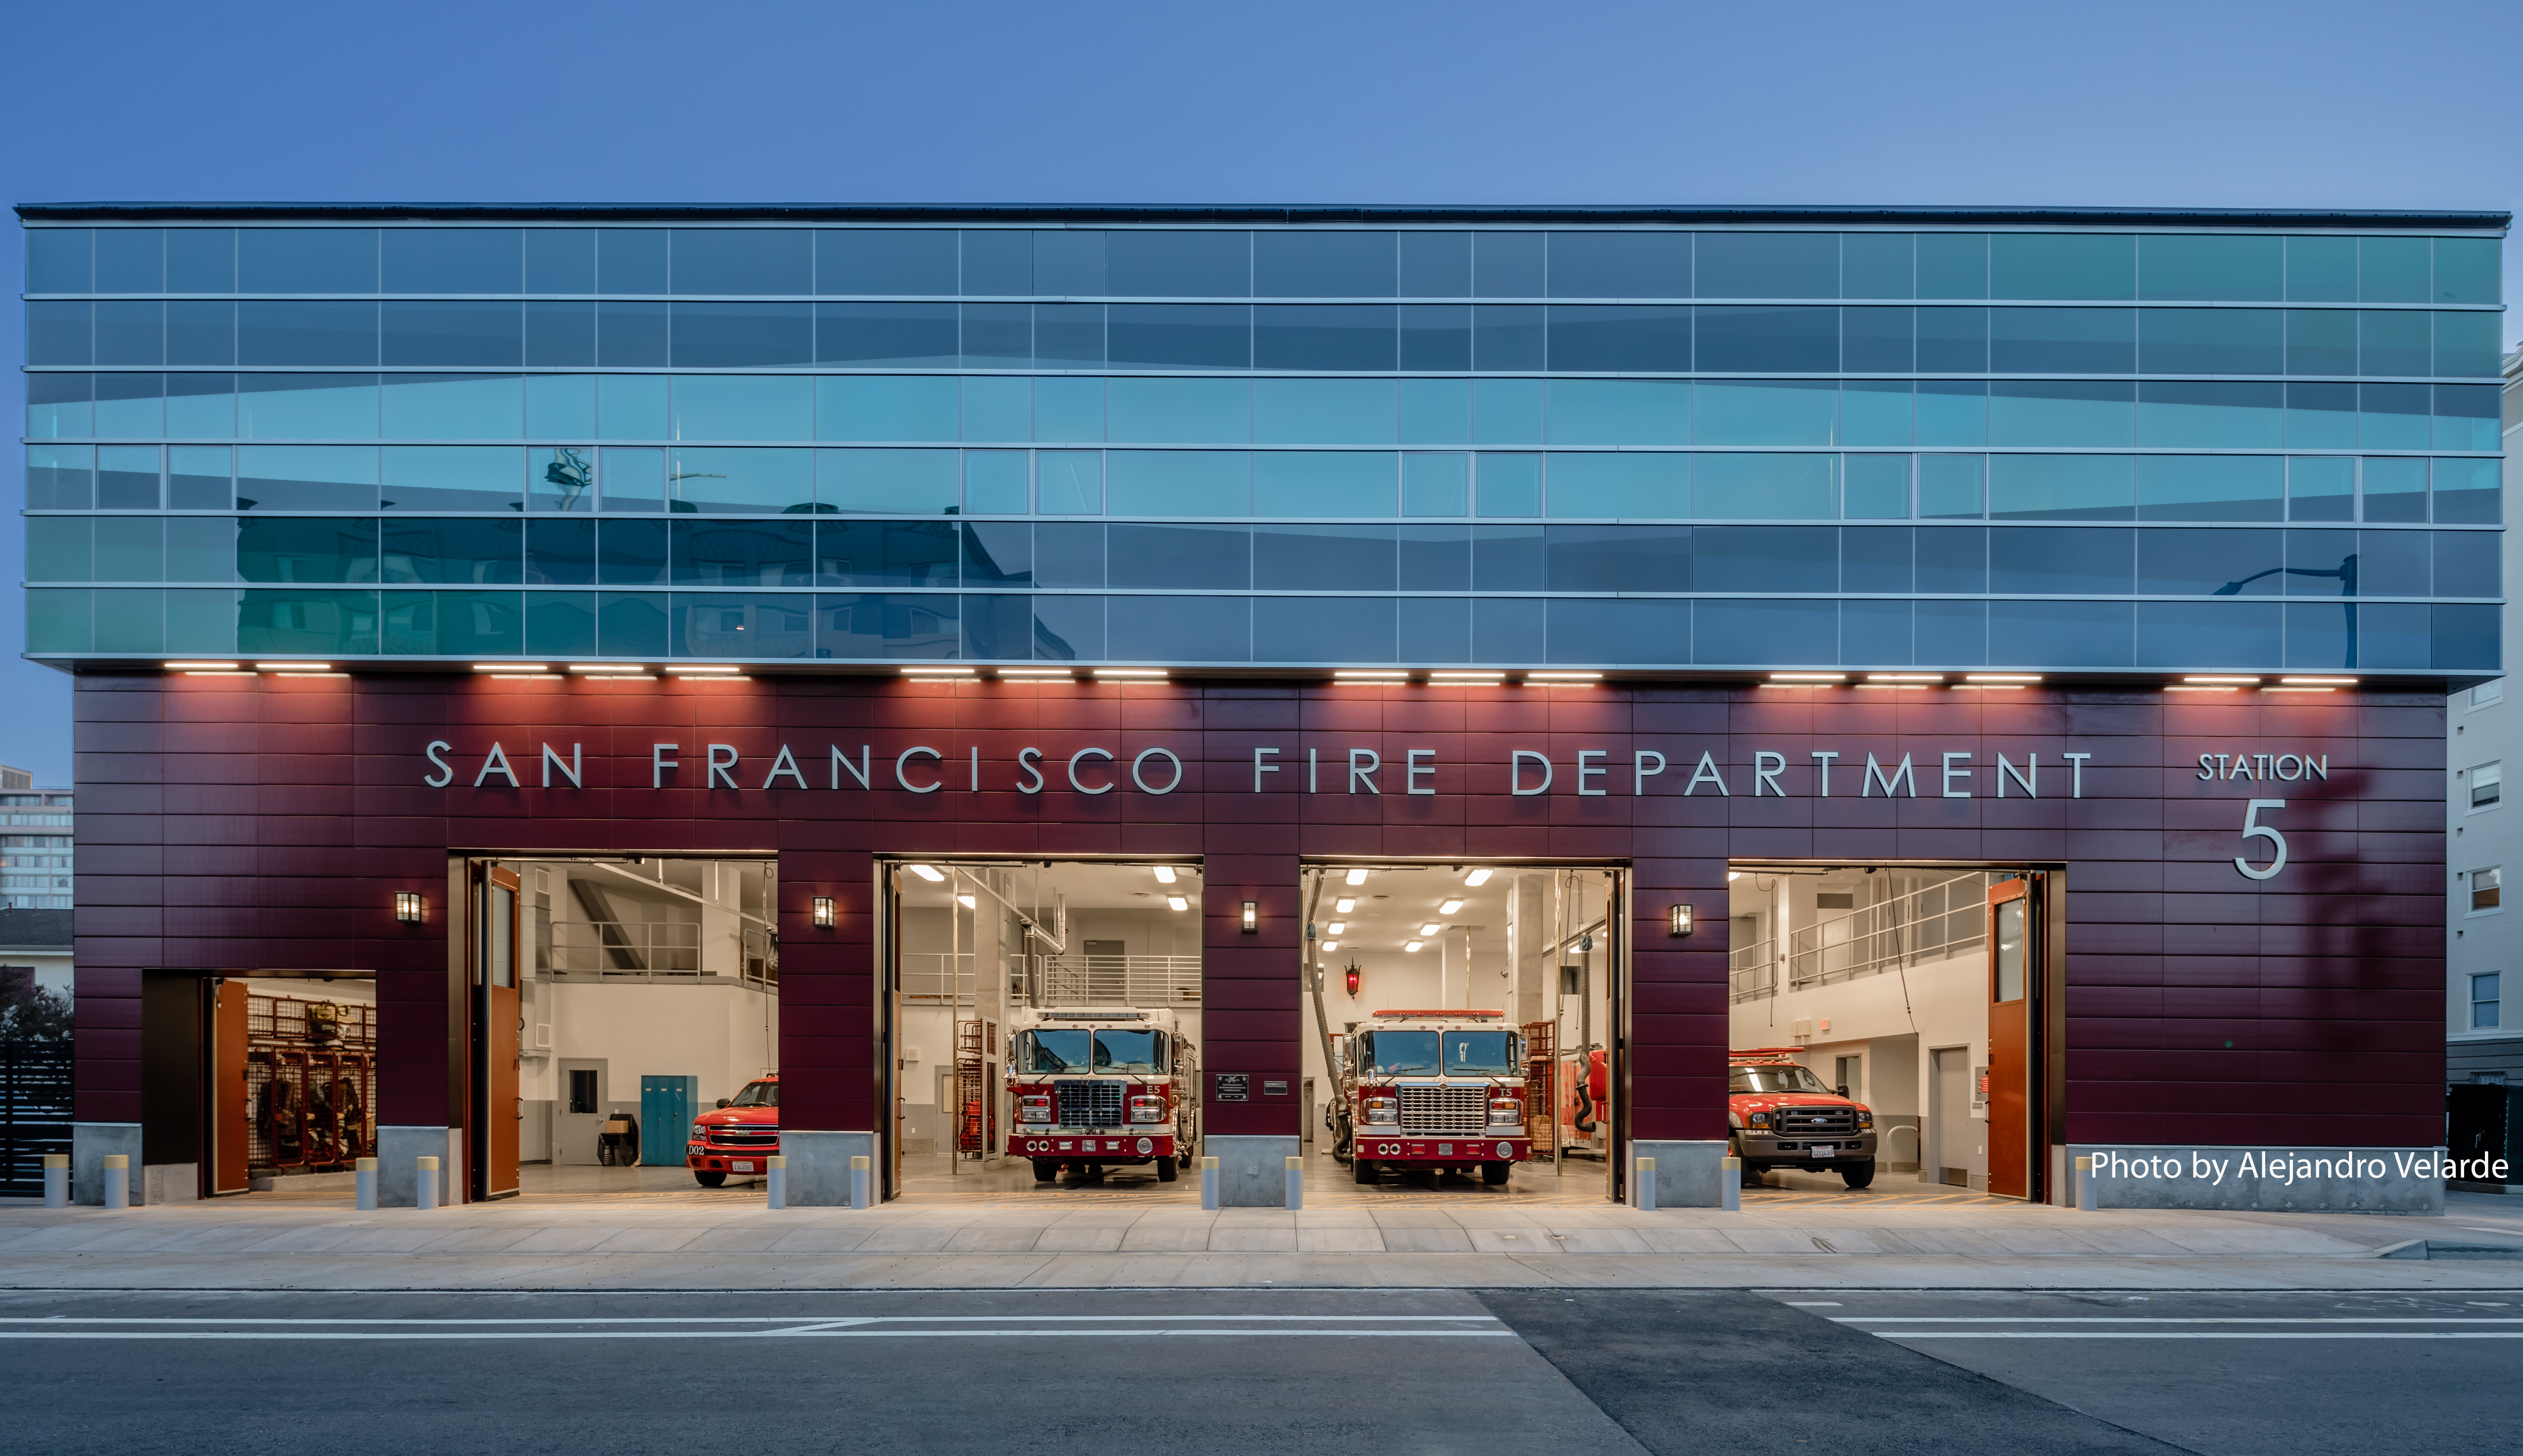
[(2114, 1319), (1812, 1303), (752, 1319), (2196, 1335), (761, 1326)]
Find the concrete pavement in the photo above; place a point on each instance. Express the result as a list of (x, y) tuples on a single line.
[(729, 1241)]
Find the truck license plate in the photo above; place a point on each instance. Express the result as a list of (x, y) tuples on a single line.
[(1824, 1150), (741, 1167)]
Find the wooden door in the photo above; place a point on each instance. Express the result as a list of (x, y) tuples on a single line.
[(229, 1102), (2012, 974), (497, 1008)]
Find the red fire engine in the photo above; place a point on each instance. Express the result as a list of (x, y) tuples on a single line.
[(1101, 1087), (1434, 1089)]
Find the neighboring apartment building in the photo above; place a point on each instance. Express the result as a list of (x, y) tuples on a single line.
[(2483, 1036), (34, 843)]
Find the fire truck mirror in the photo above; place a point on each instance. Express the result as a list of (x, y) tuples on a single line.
[(1234, 1087)]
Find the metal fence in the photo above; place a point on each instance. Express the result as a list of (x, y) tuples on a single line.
[(34, 1111), (938, 978), (1937, 921), (655, 951)]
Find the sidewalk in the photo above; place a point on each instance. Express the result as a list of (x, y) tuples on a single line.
[(732, 1242)]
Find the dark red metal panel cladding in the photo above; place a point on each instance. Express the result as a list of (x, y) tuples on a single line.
[(240, 823)]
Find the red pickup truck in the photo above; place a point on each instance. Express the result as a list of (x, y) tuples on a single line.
[(738, 1137), (1779, 1115)]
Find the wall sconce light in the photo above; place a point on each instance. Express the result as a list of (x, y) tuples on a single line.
[(825, 914), (1351, 976), (1677, 921), (409, 906), (1252, 916)]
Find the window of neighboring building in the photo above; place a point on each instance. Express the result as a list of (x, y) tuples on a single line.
[(2487, 693), (2484, 890), (2483, 1000), (2487, 785)]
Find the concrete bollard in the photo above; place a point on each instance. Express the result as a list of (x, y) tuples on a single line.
[(1730, 1184), (859, 1181), (366, 1179), (2086, 1185), (1295, 1183), (775, 1181), (1209, 1184), (57, 1180), (1642, 1185), (426, 1184), (117, 1180)]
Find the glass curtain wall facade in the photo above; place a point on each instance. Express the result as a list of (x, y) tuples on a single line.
[(2135, 444)]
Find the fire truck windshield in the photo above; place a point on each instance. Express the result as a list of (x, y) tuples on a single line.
[(1781, 1077), (1423, 1054), (1055, 1050), (1130, 1051), (757, 1094)]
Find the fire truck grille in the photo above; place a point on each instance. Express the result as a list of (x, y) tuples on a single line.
[(1090, 1103), (1445, 1110), (1815, 1122)]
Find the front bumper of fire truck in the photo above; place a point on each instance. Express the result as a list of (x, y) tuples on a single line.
[(708, 1153), (1103, 1145), (1398, 1150)]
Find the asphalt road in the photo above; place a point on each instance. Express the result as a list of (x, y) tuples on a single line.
[(1255, 1372)]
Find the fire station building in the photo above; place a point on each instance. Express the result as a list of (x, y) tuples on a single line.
[(547, 674)]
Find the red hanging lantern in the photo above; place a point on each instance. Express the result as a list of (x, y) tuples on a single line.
[(1350, 978)]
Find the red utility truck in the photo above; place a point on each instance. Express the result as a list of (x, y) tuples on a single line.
[(738, 1137), (1435, 1089), (1779, 1115), (1102, 1088)]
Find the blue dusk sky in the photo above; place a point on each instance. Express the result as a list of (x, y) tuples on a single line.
[(2197, 103)]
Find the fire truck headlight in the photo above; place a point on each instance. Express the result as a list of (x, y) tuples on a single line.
[(1507, 1150), (1033, 1109), (1147, 1109), (1147, 1144), (1506, 1111), (1383, 1110)]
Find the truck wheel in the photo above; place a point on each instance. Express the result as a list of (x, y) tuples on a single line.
[(710, 1180), (1362, 1170), (1167, 1170), (1495, 1174), (1045, 1170), (1857, 1175)]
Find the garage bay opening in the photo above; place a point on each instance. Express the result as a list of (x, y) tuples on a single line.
[(1044, 1026), (1886, 1029), (1461, 1030)]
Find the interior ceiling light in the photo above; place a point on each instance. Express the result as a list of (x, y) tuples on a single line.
[(1336, 928), (1411, 945), (1430, 928), (1477, 878), (1357, 876), (1449, 907), (1177, 901), (968, 902), (200, 666), (1331, 945), (1345, 905), (1165, 875), (925, 872)]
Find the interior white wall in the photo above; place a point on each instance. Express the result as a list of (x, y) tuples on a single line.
[(724, 1033)]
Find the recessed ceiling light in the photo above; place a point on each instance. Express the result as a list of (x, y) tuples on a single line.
[(1449, 907), (1165, 875), (1357, 876), (1477, 878), (1430, 928), (1344, 904), (1177, 901), (1336, 928), (925, 872), (1411, 945), (1331, 945)]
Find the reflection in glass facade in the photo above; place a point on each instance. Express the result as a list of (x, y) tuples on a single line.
[(2137, 442)]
